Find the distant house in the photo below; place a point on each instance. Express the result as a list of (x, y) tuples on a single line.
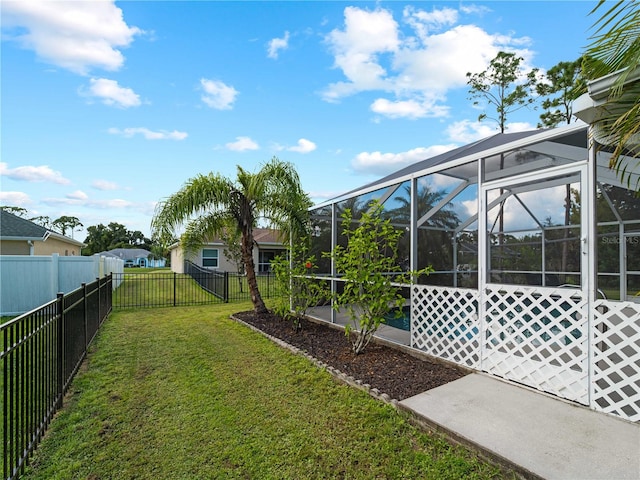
[(212, 254), (19, 236), (135, 257)]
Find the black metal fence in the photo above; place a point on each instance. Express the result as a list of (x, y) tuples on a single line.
[(41, 352), (214, 282), (196, 287)]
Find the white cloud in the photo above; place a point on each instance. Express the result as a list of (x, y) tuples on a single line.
[(467, 131), (518, 127), (411, 109), (218, 95), (543, 204), (277, 44), (304, 146), (424, 22), (382, 163), (474, 9), (357, 48), (77, 195), (104, 185), (149, 134), (417, 64), (42, 173), (242, 144), (112, 203), (111, 93), (470, 208), (79, 200), (320, 196), (15, 199), (77, 36), (441, 63)]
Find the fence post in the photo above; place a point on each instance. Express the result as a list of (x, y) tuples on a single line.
[(61, 352), (85, 304), (103, 280), (226, 287), (55, 272), (175, 276), (268, 284), (109, 294)]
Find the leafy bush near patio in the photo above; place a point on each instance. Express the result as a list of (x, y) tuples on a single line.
[(369, 265), (189, 394), (297, 291)]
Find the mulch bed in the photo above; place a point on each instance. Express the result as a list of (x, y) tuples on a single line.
[(392, 371)]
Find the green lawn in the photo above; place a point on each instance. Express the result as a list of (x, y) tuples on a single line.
[(186, 393)]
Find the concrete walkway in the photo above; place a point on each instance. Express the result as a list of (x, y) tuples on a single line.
[(534, 434)]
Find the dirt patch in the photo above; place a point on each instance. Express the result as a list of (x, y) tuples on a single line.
[(392, 371)]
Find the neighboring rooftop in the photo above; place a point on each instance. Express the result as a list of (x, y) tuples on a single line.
[(13, 227), (18, 228)]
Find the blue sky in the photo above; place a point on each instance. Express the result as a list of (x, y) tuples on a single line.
[(107, 108)]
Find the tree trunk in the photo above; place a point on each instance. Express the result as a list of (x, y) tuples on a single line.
[(247, 256)]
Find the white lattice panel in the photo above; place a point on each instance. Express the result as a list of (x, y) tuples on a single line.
[(444, 323), (537, 336), (616, 359)]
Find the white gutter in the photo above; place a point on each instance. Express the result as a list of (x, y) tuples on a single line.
[(589, 106), (600, 87)]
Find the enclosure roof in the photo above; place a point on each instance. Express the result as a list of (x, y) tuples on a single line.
[(126, 253), (500, 142)]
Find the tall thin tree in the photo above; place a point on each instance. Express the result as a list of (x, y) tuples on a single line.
[(561, 85), (504, 86)]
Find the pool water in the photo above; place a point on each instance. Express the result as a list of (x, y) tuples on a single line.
[(403, 322)]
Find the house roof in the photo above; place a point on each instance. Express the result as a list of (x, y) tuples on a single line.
[(266, 235), (126, 253), (262, 236), (13, 227)]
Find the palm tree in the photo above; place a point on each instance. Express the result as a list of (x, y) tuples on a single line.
[(445, 218), (444, 221), (616, 49), (207, 203)]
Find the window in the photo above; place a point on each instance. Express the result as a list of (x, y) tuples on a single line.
[(264, 260), (210, 257)]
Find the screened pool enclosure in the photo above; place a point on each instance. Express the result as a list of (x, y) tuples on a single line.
[(535, 246)]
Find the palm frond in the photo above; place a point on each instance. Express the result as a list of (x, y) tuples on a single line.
[(199, 195), (202, 230)]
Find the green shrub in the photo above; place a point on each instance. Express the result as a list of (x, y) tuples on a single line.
[(369, 265)]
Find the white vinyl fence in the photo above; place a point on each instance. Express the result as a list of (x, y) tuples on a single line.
[(28, 281)]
